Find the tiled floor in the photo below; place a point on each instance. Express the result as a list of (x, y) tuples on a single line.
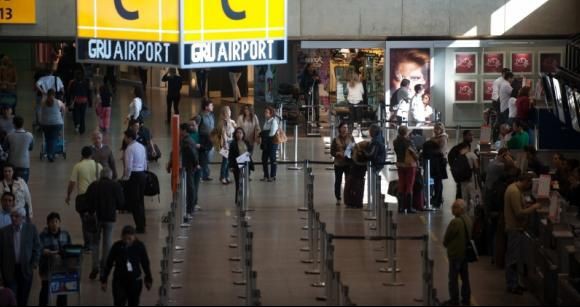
[(207, 277)]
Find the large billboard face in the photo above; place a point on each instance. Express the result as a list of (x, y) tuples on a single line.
[(184, 33), (412, 64)]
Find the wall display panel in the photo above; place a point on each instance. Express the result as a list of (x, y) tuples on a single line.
[(522, 62), (466, 91), (465, 63), (493, 62), (487, 90), (549, 62), (413, 64)]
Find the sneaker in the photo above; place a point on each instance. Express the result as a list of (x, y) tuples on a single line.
[(197, 208), (338, 203), (411, 211), (224, 182), (272, 179), (94, 274)]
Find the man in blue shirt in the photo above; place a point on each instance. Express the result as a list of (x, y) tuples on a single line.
[(7, 206)]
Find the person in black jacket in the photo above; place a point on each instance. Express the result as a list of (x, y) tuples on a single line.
[(174, 83), (105, 197), (238, 147), (79, 91), (129, 256), (433, 153)]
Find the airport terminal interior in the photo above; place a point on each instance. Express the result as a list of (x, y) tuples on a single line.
[(458, 136)]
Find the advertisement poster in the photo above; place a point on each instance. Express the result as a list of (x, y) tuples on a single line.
[(487, 90), (466, 91), (522, 62), (549, 62), (465, 63), (320, 59), (413, 64), (493, 62)]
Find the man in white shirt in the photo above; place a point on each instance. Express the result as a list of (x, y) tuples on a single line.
[(497, 84), (505, 93), (135, 159)]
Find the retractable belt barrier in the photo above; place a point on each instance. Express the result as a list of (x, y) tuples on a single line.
[(321, 249)]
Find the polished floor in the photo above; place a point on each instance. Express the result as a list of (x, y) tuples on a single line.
[(206, 272)]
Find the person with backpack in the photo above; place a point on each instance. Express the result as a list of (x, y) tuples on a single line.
[(206, 124), (406, 168), (464, 169), (454, 153), (376, 152), (79, 94), (457, 236), (135, 159), (269, 148)]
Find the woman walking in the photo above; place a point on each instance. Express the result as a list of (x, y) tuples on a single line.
[(250, 123), (342, 144), (225, 129), (105, 99), (269, 149), (51, 120)]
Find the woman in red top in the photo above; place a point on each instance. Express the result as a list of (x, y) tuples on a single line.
[(523, 104)]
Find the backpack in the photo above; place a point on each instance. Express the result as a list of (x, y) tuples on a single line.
[(151, 184), (460, 169)]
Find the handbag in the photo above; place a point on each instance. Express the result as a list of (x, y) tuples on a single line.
[(280, 137), (471, 254)]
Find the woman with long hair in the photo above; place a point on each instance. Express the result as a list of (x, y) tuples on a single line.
[(342, 163), (269, 149), (238, 147), (225, 127), (355, 97), (249, 122)]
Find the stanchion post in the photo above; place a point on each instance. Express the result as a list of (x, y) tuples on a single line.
[(310, 227), (246, 187), (369, 187), (428, 175), (323, 256), (393, 256), (314, 246), (296, 167)]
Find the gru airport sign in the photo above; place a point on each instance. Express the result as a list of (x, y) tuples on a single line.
[(182, 33)]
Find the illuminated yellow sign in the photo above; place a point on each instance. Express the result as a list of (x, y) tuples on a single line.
[(17, 11), (185, 33)]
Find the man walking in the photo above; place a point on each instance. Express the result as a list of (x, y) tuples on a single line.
[(206, 123), (135, 167), (19, 255), (103, 154), (84, 173), (174, 83), (20, 144), (104, 197)]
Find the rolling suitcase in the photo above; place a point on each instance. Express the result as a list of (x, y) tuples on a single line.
[(355, 187)]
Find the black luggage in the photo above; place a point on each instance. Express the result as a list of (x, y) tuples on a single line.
[(354, 188)]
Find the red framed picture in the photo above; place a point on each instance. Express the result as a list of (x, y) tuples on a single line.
[(465, 63), (487, 90), (522, 62), (466, 91), (493, 62), (549, 61)]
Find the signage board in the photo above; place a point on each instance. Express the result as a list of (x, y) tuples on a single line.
[(17, 11), (182, 33)]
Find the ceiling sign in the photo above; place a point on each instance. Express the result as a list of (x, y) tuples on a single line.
[(182, 33), (17, 11)]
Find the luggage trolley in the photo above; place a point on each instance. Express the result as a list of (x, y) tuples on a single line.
[(64, 274), (60, 144)]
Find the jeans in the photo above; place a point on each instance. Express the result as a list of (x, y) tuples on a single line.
[(51, 133), (23, 173), (61, 300), (172, 101), (106, 229), (87, 235), (459, 268), (514, 256), (20, 286), (234, 78), (79, 116), (338, 172), (127, 291), (137, 201), (204, 158), (192, 181), (224, 170), (269, 153)]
